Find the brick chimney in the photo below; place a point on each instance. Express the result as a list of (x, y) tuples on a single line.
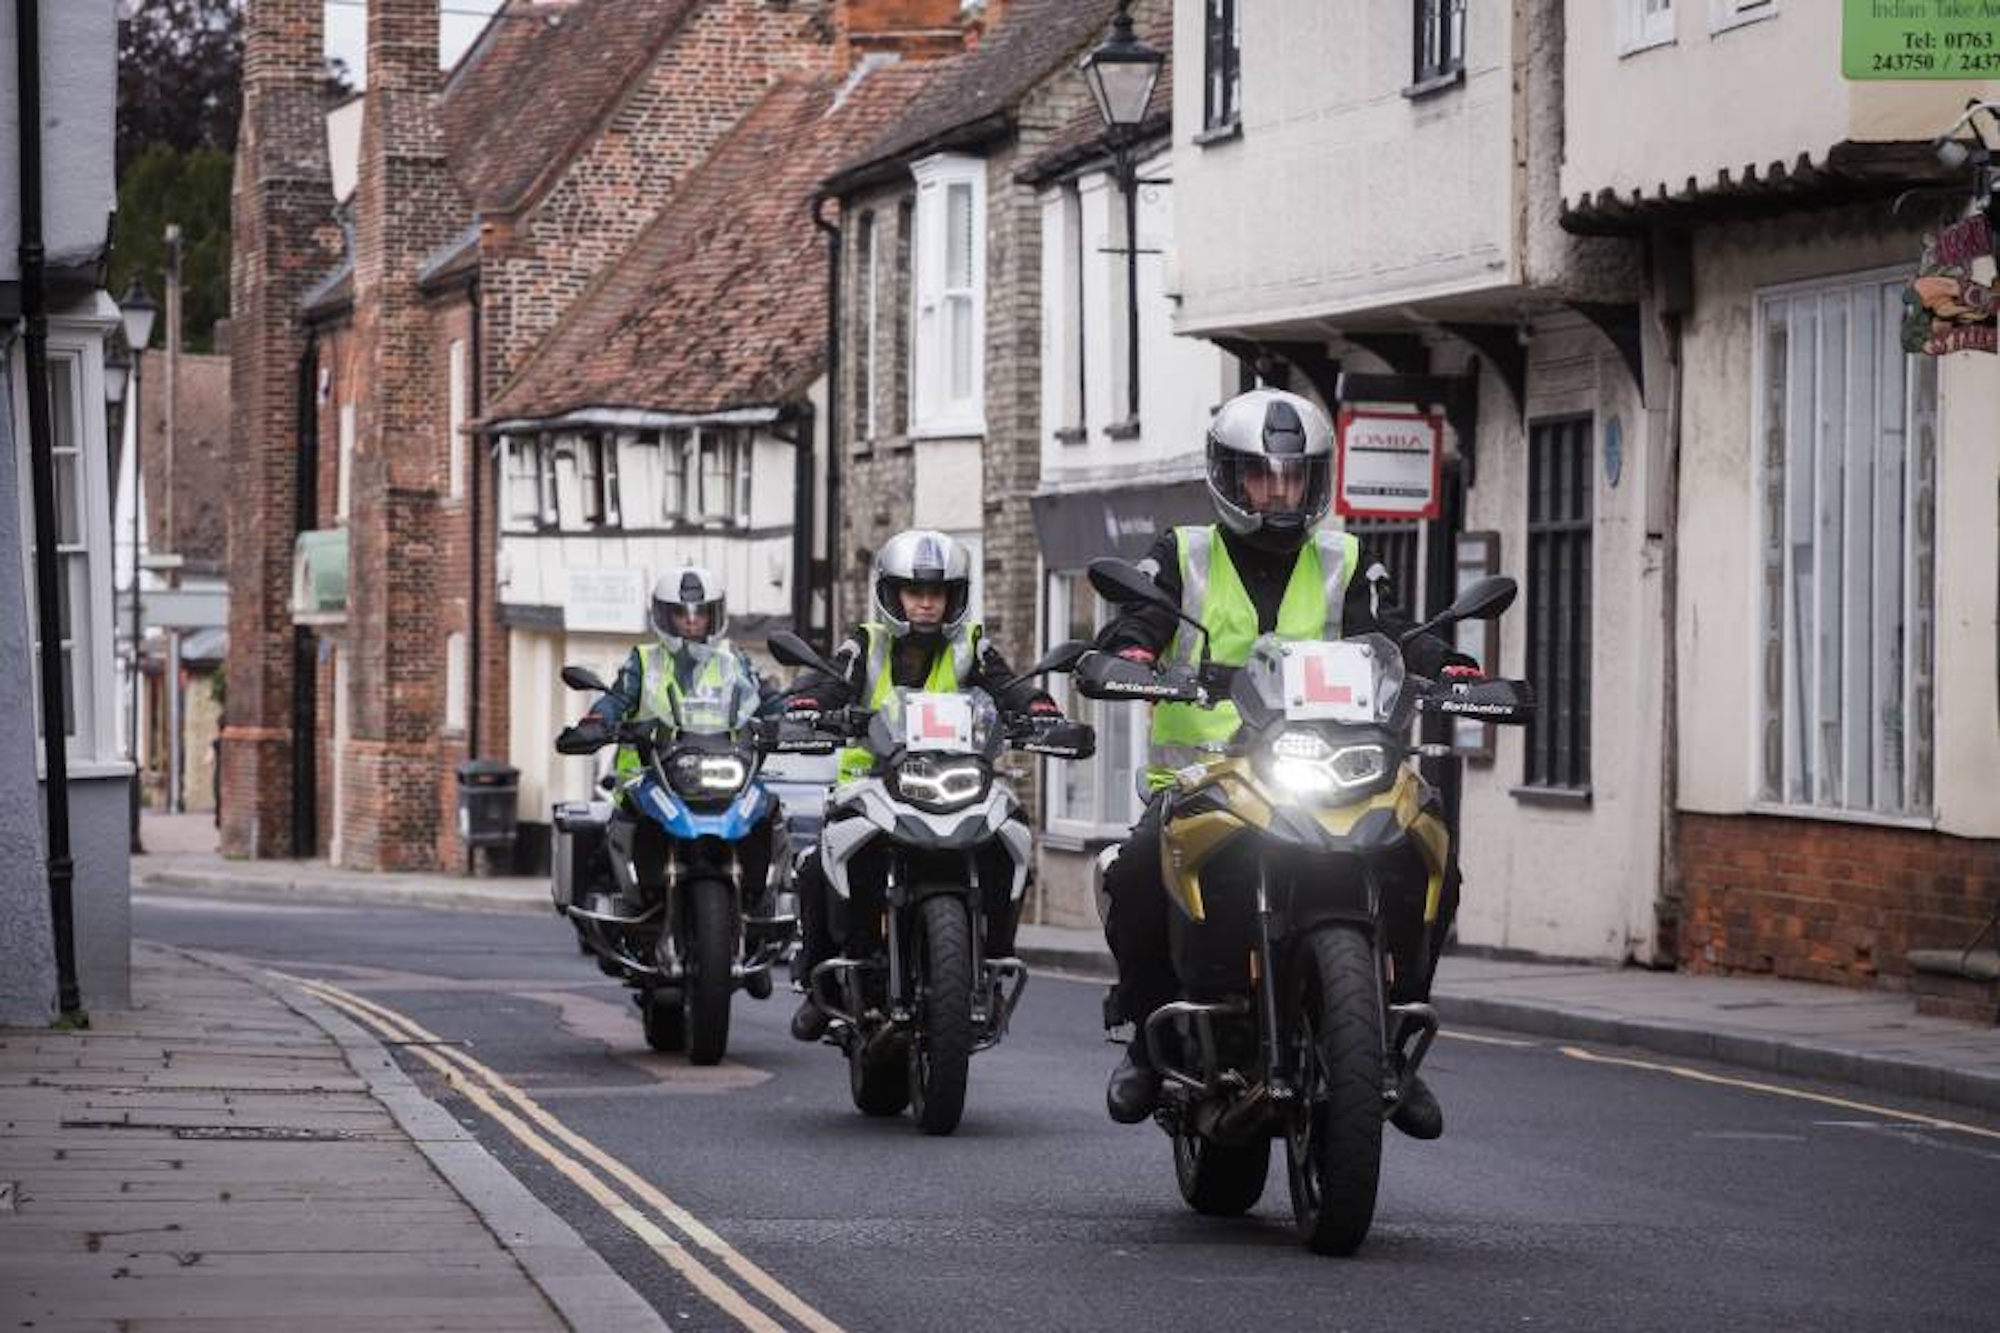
[(284, 239), (405, 208), (910, 29)]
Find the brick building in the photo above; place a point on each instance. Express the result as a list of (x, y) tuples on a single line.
[(480, 206), (673, 415), (939, 423)]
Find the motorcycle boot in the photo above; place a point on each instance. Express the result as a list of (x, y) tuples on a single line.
[(1134, 1089), (1419, 1114), (809, 1021)]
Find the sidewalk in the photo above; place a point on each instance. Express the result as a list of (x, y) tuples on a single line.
[(1874, 1039), (229, 1154)]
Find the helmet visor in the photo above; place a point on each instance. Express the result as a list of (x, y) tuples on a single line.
[(692, 621), (926, 604), (1298, 487)]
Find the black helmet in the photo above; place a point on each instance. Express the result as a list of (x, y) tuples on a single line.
[(1270, 467)]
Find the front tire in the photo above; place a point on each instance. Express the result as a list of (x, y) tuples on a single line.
[(711, 981), (1217, 1180), (941, 1055), (1333, 1148)]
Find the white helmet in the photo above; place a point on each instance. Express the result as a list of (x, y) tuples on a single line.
[(919, 556), (682, 591), (1270, 467)]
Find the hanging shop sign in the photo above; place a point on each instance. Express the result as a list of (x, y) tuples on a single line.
[(1953, 303), (1388, 463), (1920, 39)]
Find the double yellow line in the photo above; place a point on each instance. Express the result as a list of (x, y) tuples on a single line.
[(706, 1261)]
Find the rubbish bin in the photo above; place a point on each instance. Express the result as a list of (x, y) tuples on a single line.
[(486, 796)]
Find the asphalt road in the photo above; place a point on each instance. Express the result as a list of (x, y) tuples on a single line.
[(1567, 1192)]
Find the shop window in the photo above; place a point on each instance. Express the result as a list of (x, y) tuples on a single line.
[(1846, 434)]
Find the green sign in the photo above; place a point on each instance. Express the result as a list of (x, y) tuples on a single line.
[(1921, 39)]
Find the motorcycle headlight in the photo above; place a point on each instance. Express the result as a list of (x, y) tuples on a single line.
[(701, 776), (1305, 765), (940, 784)]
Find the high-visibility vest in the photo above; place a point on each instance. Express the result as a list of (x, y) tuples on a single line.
[(1213, 593), (660, 689), (952, 664)]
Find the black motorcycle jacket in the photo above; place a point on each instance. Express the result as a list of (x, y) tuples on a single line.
[(1370, 606)]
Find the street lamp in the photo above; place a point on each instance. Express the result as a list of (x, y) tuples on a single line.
[(136, 311), (1120, 74)]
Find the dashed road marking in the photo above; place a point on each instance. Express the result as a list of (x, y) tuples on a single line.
[(480, 1085)]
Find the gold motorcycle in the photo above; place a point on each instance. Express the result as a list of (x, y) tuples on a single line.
[(1305, 859)]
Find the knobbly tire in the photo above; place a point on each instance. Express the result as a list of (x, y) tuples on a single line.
[(941, 1056), (663, 1023), (1217, 1180), (879, 1087), (711, 980), (1333, 1148)]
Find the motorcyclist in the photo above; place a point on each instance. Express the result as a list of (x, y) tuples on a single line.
[(921, 636), (1262, 567), (688, 612)]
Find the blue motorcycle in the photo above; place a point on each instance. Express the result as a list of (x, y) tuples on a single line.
[(672, 883)]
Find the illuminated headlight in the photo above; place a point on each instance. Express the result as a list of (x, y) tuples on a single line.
[(1305, 765), (695, 774), (941, 784)]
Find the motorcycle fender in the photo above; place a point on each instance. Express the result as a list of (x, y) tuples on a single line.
[(839, 840), (1020, 843)]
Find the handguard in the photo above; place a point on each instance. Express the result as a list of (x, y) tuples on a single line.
[(1510, 703), (1064, 740), (1105, 676)]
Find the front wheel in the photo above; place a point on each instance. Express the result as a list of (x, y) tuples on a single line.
[(1333, 1147), (941, 1055), (711, 982)]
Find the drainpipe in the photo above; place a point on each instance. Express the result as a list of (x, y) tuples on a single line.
[(35, 314), (835, 529), (1673, 294), (475, 465), (801, 417), (305, 642)]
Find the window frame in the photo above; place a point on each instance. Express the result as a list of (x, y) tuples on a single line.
[(1639, 30), (1726, 15), (1552, 765), (1446, 22), (521, 470), (93, 740), (1918, 572), (455, 683), (1222, 66), (868, 245), (935, 411), (456, 385), (346, 431)]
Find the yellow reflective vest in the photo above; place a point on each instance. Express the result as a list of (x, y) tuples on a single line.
[(1213, 593)]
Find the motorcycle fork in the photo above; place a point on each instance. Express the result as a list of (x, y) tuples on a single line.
[(1262, 963)]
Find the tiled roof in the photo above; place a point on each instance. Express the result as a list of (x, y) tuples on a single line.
[(333, 292), (458, 255), (721, 302), (1032, 39), (536, 83)]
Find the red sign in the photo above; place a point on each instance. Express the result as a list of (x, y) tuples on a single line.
[(932, 727), (1317, 689), (1388, 464)]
